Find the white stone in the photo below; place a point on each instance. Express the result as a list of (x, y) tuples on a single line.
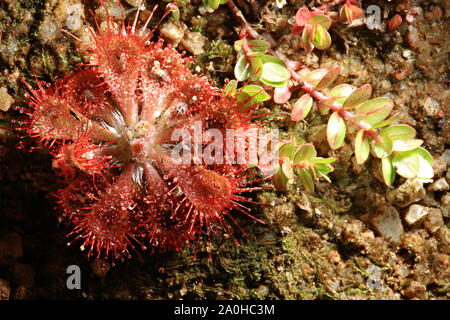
[(5, 99), (387, 223), (439, 185), (415, 213)]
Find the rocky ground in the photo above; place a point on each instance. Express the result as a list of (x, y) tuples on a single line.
[(352, 239)]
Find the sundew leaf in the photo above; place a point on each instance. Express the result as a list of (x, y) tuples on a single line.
[(407, 145), (399, 132), (383, 147), (375, 110), (328, 79), (306, 179), (242, 69), (358, 96), (388, 171), (301, 108), (341, 92), (306, 153), (362, 147), (320, 37), (336, 130)]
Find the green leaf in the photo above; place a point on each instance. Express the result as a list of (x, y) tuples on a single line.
[(286, 167), (325, 169), (425, 155), (320, 37), (230, 89), (362, 147), (388, 171), (242, 69), (358, 96), (258, 46), (416, 163), (274, 70), (328, 79), (306, 38), (257, 94), (306, 179), (341, 92), (320, 160), (211, 5), (256, 67), (407, 145), (274, 84), (375, 110), (238, 45), (306, 153), (287, 150), (384, 123), (383, 147), (399, 132), (336, 130), (280, 181), (302, 107), (322, 20), (314, 77)]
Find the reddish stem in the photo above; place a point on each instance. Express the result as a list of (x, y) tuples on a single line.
[(330, 4), (247, 30)]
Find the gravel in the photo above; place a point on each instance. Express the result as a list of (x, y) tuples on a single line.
[(387, 223), (410, 192), (415, 213)]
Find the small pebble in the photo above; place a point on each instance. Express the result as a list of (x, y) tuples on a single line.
[(5, 290), (100, 267), (409, 192), (439, 185), (446, 205), (415, 213), (431, 107), (5, 99), (415, 290), (434, 220), (173, 31), (387, 223)]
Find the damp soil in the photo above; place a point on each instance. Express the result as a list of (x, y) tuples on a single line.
[(326, 245)]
